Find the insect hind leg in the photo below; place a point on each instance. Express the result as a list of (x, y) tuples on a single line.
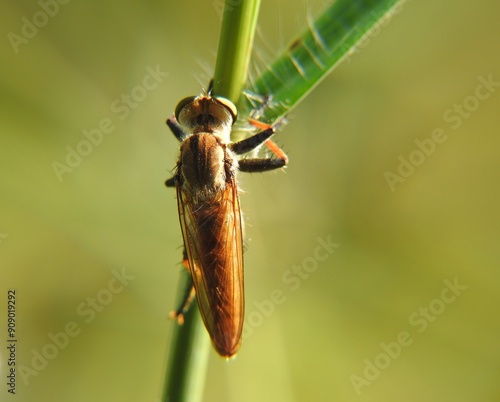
[(187, 297), (183, 308)]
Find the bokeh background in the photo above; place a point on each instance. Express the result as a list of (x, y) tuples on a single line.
[(61, 240)]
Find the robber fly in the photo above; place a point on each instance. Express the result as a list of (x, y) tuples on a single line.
[(209, 209)]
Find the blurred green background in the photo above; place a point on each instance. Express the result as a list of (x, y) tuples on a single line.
[(62, 241)]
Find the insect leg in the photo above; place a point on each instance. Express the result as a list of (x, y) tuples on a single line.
[(260, 164), (187, 298), (246, 145), (184, 307), (176, 128), (170, 182), (255, 140), (276, 150), (264, 164)]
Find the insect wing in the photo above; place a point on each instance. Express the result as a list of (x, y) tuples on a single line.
[(213, 240)]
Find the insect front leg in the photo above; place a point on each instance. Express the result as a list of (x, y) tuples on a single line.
[(250, 143), (170, 182), (176, 128), (252, 165)]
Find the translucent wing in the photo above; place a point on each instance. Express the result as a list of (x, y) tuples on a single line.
[(213, 240)]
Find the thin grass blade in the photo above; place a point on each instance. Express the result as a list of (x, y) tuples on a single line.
[(316, 52)]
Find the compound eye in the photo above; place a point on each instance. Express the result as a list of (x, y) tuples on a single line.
[(182, 104), (229, 106)]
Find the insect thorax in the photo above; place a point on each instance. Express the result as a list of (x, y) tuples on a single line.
[(205, 163)]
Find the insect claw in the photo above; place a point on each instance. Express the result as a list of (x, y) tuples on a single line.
[(179, 317)]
